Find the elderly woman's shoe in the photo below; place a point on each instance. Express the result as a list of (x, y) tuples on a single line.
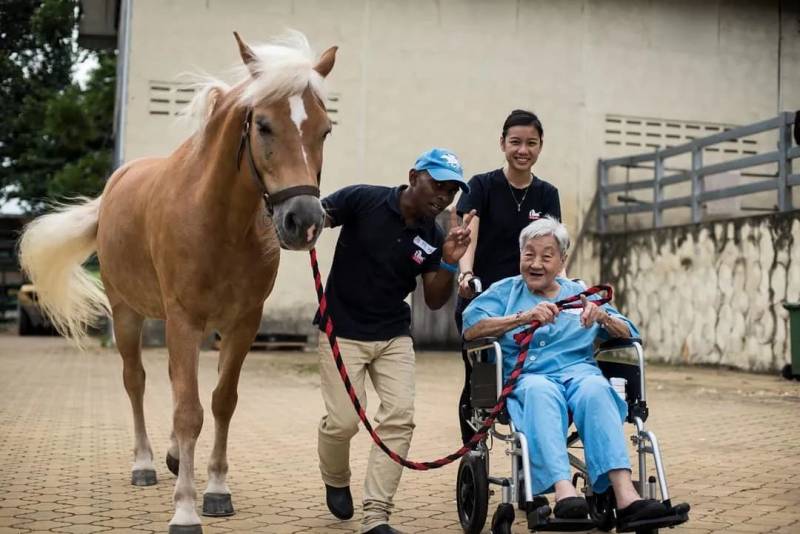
[(383, 529), (571, 508), (640, 510)]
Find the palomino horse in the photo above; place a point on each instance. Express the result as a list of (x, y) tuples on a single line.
[(186, 238)]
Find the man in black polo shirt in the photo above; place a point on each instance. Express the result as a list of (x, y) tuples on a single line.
[(388, 238)]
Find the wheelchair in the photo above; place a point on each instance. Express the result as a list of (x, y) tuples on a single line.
[(627, 376)]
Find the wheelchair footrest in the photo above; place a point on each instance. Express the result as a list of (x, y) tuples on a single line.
[(679, 514), (540, 519)]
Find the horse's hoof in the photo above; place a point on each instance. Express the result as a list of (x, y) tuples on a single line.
[(185, 529), (143, 477), (217, 504), (173, 464)]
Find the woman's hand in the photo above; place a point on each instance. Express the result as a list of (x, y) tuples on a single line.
[(465, 290), (592, 313), (544, 313)]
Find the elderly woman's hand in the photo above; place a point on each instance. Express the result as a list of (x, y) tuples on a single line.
[(592, 313), (544, 312)]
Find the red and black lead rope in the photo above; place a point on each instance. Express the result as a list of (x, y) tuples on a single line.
[(523, 339)]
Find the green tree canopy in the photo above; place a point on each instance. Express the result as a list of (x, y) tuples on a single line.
[(55, 136)]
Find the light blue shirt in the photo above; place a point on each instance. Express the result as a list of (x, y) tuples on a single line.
[(556, 346)]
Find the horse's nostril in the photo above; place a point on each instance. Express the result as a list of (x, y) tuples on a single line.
[(291, 222)]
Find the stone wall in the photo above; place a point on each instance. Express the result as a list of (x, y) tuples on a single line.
[(710, 293)]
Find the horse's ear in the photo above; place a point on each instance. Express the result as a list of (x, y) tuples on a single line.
[(248, 57), (326, 61)]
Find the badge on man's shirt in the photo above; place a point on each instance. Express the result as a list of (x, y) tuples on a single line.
[(533, 215), (424, 245), (418, 257)]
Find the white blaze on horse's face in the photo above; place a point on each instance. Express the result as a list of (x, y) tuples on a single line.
[(297, 110)]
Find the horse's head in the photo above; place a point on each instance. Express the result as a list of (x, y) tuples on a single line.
[(283, 132)]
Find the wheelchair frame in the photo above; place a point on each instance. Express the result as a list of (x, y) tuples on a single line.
[(486, 385)]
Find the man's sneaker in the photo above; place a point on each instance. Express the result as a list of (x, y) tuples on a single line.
[(339, 501)]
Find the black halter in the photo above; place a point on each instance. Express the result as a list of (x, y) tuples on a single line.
[(270, 200)]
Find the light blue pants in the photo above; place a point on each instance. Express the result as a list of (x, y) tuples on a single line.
[(538, 406)]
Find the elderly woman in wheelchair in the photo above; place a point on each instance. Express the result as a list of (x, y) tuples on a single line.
[(560, 381)]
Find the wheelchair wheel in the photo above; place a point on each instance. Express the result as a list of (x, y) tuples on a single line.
[(601, 509), (472, 493)]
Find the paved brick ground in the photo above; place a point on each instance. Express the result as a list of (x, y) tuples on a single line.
[(731, 443)]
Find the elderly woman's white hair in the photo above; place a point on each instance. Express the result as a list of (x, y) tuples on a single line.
[(543, 227)]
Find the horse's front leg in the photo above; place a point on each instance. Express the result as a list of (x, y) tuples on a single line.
[(236, 342), (183, 341)]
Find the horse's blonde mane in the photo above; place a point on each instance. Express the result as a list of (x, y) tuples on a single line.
[(207, 92), (283, 66)]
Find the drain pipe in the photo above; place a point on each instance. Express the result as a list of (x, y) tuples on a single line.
[(121, 101)]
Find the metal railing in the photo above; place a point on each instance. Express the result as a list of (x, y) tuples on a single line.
[(781, 181)]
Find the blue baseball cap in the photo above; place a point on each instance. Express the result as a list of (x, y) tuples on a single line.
[(443, 166)]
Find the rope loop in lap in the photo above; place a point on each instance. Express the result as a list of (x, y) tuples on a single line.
[(523, 339)]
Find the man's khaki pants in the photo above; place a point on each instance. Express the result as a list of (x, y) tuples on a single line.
[(390, 365)]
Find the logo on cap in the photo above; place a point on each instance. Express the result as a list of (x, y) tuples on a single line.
[(451, 160)]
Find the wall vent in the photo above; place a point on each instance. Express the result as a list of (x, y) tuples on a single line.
[(333, 106), (648, 134), (168, 98)]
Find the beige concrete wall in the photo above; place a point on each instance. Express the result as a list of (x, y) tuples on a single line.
[(712, 293), (412, 74)]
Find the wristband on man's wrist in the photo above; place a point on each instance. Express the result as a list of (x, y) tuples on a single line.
[(451, 267)]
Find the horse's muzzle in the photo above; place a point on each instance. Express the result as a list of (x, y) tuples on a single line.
[(299, 221)]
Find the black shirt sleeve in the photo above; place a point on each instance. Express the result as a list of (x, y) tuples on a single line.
[(341, 205), (432, 262), (474, 200), (554, 204)]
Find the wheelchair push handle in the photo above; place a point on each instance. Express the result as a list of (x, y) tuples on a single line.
[(476, 285)]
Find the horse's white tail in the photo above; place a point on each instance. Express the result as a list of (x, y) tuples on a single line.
[(52, 250)]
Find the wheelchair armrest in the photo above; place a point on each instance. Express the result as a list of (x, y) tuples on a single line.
[(479, 343), (632, 371), (619, 343)]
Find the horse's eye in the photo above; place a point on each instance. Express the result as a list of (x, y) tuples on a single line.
[(263, 127)]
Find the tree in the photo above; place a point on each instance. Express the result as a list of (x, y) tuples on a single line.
[(55, 136)]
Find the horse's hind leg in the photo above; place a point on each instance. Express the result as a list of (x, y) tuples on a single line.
[(236, 342), (128, 333)]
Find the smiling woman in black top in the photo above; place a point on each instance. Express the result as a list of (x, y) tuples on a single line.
[(506, 200)]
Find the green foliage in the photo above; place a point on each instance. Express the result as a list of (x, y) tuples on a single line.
[(55, 136)]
